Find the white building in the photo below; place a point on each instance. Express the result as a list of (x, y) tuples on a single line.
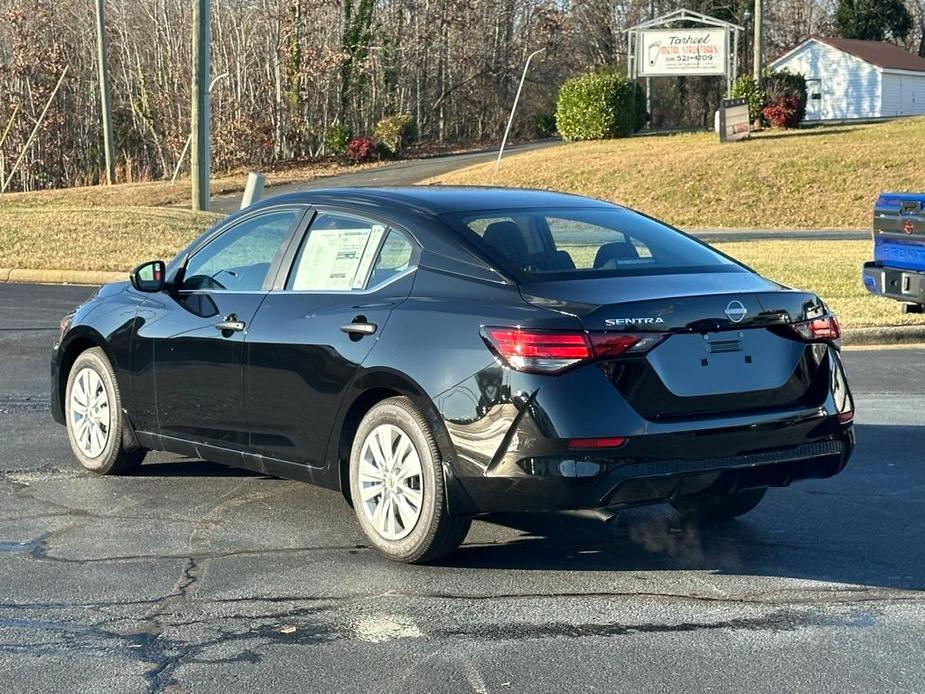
[(847, 79)]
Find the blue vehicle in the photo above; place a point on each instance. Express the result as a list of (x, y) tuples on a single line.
[(898, 268)]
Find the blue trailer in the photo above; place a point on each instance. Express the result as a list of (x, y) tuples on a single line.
[(898, 268)]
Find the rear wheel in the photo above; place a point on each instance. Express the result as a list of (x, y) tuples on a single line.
[(717, 508), (397, 486), (93, 407)]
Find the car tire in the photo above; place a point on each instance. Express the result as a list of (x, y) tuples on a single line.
[(397, 486), (93, 411), (718, 508)]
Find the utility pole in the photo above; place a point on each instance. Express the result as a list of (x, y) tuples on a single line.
[(759, 39), (102, 51), (200, 113)]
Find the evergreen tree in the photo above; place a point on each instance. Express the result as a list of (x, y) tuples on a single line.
[(872, 20)]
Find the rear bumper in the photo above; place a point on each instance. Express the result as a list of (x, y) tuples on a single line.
[(621, 483), (895, 283), (511, 452)]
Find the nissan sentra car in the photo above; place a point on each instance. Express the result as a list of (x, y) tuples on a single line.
[(436, 354)]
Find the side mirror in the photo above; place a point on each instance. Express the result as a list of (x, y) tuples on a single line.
[(149, 277)]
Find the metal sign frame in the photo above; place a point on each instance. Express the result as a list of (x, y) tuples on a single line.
[(666, 21)]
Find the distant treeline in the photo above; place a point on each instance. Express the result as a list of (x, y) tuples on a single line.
[(296, 68)]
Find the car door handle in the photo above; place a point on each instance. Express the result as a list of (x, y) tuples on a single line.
[(359, 328), (230, 324)]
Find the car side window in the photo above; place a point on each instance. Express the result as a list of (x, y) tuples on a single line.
[(394, 258), (240, 258), (336, 254)]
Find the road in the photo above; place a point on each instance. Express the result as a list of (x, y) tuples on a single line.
[(405, 172), (192, 577)]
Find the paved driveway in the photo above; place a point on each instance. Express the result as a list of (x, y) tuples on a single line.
[(192, 577)]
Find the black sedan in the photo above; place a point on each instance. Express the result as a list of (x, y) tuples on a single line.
[(441, 353)]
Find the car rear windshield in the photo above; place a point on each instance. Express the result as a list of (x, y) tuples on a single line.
[(536, 245)]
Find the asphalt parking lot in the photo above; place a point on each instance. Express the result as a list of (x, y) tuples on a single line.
[(192, 577)]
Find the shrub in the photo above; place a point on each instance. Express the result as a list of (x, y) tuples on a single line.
[(746, 88), (599, 105), (394, 133), (783, 113), (545, 124), (336, 139), (786, 92), (360, 149)]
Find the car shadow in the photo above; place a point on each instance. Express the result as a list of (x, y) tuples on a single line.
[(191, 467), (863, 527)]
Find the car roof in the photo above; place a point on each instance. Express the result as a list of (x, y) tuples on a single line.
[(436, 200)]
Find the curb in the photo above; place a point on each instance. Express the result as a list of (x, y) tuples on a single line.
[(61, 276), (892, 335)]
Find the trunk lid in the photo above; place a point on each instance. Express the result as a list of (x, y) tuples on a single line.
[(729, 349)]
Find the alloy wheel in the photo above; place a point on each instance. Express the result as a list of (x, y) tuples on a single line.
[(391, 482), (90, 415)]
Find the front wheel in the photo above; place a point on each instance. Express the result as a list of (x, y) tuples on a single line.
[(717, 508), (93, 407), (397, 486)]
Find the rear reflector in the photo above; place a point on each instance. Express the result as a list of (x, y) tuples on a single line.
[(845, 417), (545, 351), (611, 442), (825, 328)]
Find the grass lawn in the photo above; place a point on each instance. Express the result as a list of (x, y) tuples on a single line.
[(817, 178), (63, 237), (826, 177), (115, 227), (82, 238)]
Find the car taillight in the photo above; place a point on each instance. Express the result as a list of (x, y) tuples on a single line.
[(824, 328), (546, 351)]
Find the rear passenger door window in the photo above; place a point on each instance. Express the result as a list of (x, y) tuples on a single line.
[(336, 254), (343, 252)]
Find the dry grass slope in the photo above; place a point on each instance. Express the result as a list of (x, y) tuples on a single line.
[(65, 237), (819, 178)]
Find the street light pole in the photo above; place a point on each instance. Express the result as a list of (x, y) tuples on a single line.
[(200, 113), (510, 120), (102, 50)]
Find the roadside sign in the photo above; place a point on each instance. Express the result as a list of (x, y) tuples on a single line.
[(734, 123), (669, 52)]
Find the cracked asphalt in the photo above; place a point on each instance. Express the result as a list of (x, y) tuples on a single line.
[(193, 577)]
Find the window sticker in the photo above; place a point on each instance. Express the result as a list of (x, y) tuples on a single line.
[(331, 259)]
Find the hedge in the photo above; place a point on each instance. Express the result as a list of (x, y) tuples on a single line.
[(599, 105)]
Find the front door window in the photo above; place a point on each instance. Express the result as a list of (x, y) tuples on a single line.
[(239, 259)]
